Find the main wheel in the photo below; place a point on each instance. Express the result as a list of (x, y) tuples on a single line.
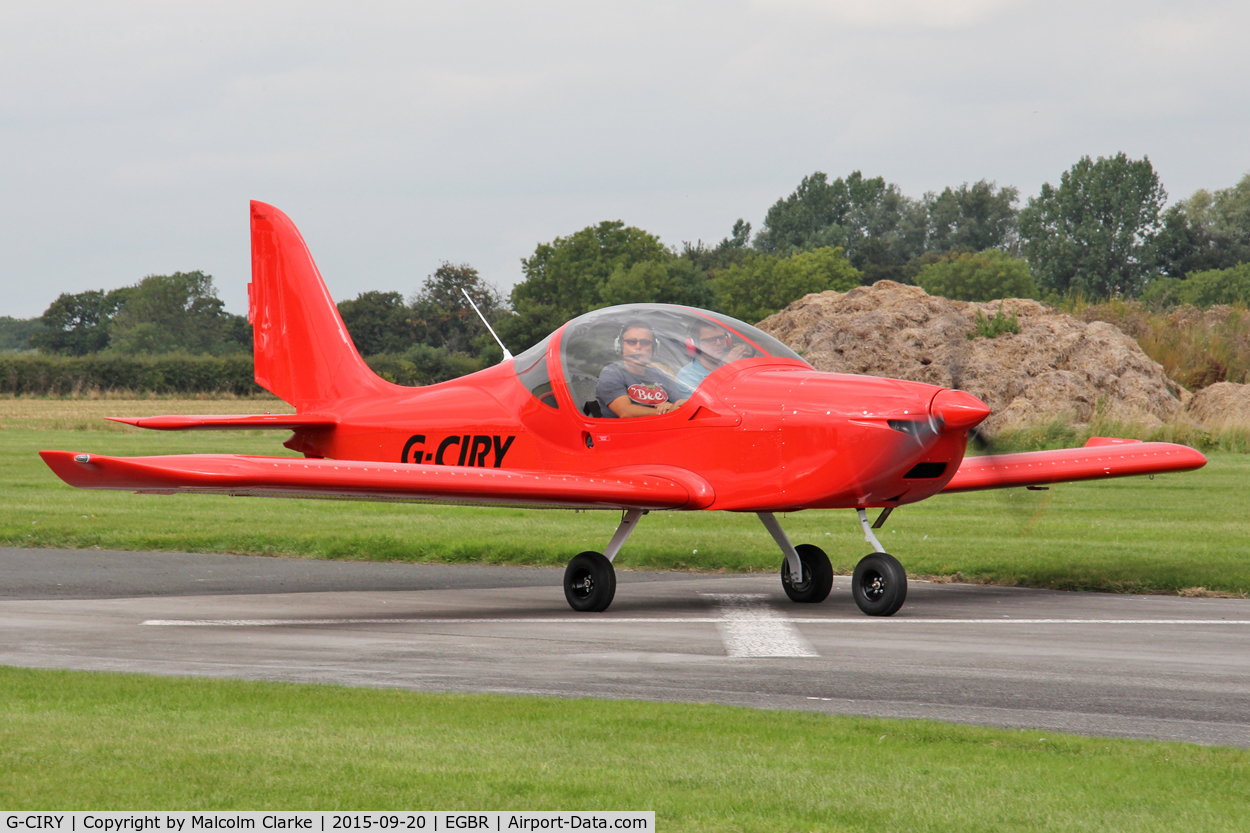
[(589, 582), (879, 584), (817, 579)]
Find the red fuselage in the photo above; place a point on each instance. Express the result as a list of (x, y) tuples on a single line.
[(767, 434)]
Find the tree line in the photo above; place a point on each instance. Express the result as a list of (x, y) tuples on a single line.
[(1101, 232)]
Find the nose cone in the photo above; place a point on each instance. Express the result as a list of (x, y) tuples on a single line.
[(955, 410)]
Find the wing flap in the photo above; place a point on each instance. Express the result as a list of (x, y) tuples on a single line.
[(229, 422), (1094, 462), (297, 477)]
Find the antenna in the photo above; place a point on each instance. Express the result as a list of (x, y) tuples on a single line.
[(506, 354)]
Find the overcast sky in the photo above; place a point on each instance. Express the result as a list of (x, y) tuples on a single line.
[(400, 135)]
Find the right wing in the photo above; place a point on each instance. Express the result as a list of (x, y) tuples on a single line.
[(635, 487), (1102, 457)]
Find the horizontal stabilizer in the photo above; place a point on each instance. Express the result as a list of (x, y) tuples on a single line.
[(229, 422), (1094, 462), (664, 487)]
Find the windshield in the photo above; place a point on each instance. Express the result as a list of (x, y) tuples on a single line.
[(652, 354), (531, 369)]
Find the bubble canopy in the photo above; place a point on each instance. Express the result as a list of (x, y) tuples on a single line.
[(687, 344)]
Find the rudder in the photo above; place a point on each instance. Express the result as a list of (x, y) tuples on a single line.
[(303, 352)]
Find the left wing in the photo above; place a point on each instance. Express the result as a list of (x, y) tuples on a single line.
[(1102, 457), (635, 487)]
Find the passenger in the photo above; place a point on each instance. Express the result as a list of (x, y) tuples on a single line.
[(713, 346), (632, 387)]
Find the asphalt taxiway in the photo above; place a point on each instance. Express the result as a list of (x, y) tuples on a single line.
[(1135, 666)]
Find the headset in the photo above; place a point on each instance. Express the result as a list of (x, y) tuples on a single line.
[(692, 348), (618, 346)]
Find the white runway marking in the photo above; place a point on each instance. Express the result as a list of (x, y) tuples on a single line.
[(750, 628), (660, 620)]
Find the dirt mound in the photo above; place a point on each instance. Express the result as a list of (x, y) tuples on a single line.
[(1055, 367), (1220, 405)]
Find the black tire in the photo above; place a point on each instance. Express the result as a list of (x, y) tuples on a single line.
[(879, 584), (817, 579), (589, 582)]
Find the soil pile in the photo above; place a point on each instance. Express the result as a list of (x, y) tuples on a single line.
[(1055, 367), (1221, 405)]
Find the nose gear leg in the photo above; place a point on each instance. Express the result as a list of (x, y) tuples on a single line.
[(868, 535)]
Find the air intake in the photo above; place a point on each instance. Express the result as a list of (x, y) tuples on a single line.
[(925, 471)]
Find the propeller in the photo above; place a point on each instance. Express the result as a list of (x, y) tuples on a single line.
[(978, 437)]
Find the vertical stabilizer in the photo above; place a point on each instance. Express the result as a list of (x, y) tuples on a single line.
[(303, 352)]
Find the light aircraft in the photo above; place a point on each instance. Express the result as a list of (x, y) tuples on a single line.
[(762, 432)]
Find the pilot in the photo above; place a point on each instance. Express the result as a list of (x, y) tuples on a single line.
[(713, 347), (632, 387)]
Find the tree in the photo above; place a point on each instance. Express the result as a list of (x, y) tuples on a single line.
[(1202, 289), (15, 333), (1095, 233), (78, 324), (879, 227), (177, 313), (986, 276), (812, 215), (973, 217), (763, 284), (569, 276), (730, 250), (441, 317), (1207, 231), (671, 281), (379, 322), (1232, 219)]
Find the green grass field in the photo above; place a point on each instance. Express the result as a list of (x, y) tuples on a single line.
[(105, 741), (1175, 533), (99, 741)]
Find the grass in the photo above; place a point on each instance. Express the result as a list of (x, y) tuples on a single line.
[(1059, 433), (110, 741), (1178, 533), (89, 412), (1197, 347)]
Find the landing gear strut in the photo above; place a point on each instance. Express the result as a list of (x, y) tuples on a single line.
[(589, 580), (806, 574), (879, 585)]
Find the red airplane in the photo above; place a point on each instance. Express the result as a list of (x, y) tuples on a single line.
[(752, 428)]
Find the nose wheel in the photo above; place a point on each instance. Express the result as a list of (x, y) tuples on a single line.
[(879, 584)]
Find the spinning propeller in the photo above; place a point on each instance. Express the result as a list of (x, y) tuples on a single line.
[(984, 443)]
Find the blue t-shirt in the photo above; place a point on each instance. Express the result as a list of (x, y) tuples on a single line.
[(691, 376), (649, 389)]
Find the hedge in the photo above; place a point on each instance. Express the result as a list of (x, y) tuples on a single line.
[(42, 375), (37, 374)]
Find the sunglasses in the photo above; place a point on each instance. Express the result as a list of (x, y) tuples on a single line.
[(638, 342), (720, 339)]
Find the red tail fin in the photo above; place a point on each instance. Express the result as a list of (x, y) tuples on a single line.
[(302, 349)]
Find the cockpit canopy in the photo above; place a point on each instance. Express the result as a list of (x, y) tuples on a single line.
[(681, 336)]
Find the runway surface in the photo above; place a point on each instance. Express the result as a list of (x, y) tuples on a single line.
[(1135, 666)]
